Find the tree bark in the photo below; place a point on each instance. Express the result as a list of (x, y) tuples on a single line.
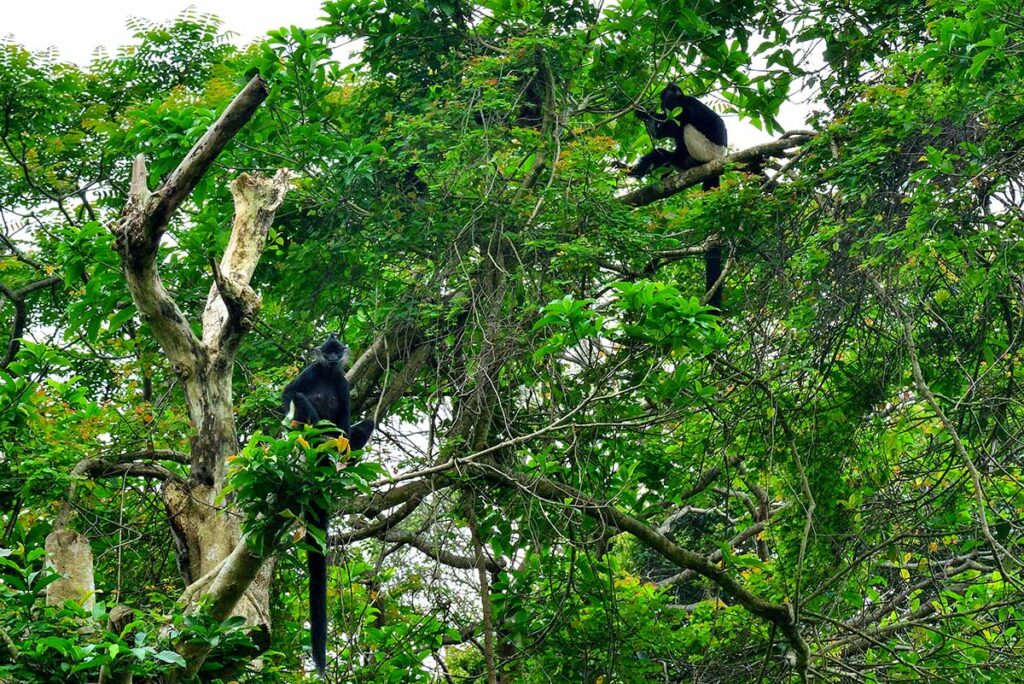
[(69, 554)]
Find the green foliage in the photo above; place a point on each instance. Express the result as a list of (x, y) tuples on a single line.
[(65, 642), (455, 193), (270, 483)]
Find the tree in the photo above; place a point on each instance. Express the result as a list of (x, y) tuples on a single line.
[(582, 473)]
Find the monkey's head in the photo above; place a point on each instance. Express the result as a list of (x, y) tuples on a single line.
[(332, 353), (671, 97)]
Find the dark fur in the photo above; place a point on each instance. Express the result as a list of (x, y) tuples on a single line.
[(321, 393), (694, 113)]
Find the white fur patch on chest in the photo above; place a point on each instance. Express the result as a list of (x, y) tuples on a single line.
[(699, 147)]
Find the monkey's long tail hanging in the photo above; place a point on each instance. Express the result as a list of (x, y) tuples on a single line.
[(713, 261), (316, 566)]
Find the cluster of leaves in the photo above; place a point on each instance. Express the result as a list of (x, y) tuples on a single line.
[(43, 642), (273, 481)]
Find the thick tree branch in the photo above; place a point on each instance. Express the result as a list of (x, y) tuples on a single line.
[(228, 586), (153, 455), (137, 246), (232, 306), (97, 468), (373, 505), (433, 550), (156, 209), (381, 526), (145, 217), (717, 555), (677, 182)]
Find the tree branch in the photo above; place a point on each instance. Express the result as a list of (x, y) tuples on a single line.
[(96, 468), (381, 526), (153, 455), (232, 306), (677, 182), (433, 550), (159, 206), (145, 218), (238, 571)]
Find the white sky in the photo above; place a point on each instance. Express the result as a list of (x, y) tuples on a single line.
[(77, 27)]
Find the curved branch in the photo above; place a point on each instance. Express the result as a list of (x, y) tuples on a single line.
[(145, 218), (717, 555), (433, 550), (381, 526), (372, 505), (154, 455), (227, 587), (96, 468)]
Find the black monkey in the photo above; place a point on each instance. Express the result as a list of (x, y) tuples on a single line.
[(321, 393), (700, 137), (699, 134)]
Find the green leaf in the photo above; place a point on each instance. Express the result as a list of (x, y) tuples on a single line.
[(169, 657)]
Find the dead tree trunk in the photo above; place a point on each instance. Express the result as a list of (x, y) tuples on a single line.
[(213, 556)]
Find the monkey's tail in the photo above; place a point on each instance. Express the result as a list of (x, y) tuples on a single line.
[(316, 566), (713, 260)]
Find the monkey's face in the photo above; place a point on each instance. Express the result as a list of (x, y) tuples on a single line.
[(332, 353)]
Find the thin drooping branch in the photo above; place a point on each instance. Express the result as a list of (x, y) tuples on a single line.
[(677, 182), (1000, 553)]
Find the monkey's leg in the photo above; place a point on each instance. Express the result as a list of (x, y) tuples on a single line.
[(309, 413), (651, 161)]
